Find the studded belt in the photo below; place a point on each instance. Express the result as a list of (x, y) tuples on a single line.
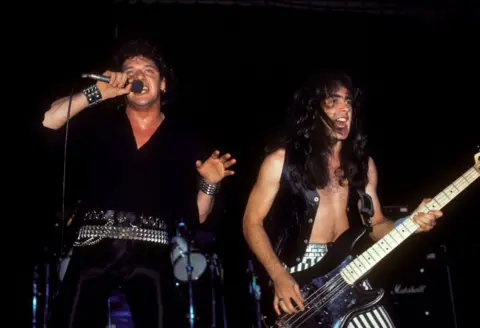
[(316, 251), (122, 218), (94, 233), (98, 225), (313, 254)]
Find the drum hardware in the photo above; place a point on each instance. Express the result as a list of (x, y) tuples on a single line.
[(64, 261), (35, 296), (68, 232), (41, 297), (183, 255), (214, 302), (191, 316), (109, 311), (216, 270), (180, 258), (256, 293)]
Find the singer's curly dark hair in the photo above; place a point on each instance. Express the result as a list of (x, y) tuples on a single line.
[(308, 139), (148, 50), (143, 48)]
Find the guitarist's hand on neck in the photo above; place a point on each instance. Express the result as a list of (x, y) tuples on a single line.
[(381, 224), (286, 291), (426, 220)]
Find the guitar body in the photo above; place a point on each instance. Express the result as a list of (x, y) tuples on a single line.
[(329, 300)]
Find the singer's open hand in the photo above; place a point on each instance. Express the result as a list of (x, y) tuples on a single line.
[(116, 87), (215, 168)]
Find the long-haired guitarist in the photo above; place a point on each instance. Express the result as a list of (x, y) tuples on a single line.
[(304, 197)]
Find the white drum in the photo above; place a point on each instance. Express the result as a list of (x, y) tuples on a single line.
[(179, 258), (64, 264)]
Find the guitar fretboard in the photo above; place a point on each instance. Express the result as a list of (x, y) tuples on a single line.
[(368, 259)]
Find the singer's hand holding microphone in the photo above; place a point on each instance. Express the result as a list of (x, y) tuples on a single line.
[(117, 86), (114, 84), (109, 85)]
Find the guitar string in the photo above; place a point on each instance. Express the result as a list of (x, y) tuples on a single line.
[(315, 295), (333, 293), (316, 309), (313, 310), (331, 296), (310, 313), (325, 287), (322, 290), (469, 175)]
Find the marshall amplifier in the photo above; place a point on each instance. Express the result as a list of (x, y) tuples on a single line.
[(416, 280), (418, 288), (421, 294), (395, 212)]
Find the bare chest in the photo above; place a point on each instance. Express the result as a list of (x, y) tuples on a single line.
[(331, 219)]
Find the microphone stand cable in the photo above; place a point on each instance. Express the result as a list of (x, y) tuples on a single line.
[(64, 178)]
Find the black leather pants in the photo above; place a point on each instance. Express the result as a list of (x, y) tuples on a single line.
[(143, 270)]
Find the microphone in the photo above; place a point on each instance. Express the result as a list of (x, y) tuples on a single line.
[(137, 85)]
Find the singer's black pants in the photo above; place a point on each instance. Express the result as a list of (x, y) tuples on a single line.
[(143, 270)]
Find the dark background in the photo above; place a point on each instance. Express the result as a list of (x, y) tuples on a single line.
[(238, 66)]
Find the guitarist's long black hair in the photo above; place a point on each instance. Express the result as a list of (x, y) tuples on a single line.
[(309, 142)]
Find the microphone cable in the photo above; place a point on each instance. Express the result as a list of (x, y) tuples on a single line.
[(64, 178)]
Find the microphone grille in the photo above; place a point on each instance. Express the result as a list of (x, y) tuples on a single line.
[(137, 86)]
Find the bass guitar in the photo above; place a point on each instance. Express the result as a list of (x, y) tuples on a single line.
[(333, 296)]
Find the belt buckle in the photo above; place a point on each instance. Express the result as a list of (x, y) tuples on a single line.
[(121, 218)]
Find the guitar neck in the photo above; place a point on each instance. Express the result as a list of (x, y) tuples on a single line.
[(373, 255)]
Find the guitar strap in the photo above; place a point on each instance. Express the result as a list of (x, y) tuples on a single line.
[(366, 209)]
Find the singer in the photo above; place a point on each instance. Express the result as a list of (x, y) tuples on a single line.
[(139, 175)]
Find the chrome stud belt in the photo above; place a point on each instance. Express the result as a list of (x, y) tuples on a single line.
[(316, 251), (94, 233), (120, 218)]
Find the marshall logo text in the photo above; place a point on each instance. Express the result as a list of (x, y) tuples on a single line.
[(399, 289)]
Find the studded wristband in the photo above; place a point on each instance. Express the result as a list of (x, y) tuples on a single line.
[(209, 189), (93, 94)]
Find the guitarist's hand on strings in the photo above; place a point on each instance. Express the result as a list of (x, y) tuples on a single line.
[(427, 220), (286, 290)]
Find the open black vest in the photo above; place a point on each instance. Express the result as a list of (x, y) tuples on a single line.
[(290, 220)]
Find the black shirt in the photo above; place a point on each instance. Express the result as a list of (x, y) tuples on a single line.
[(110, 173)]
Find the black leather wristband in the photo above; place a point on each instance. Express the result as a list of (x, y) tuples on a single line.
[(93, 95)]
